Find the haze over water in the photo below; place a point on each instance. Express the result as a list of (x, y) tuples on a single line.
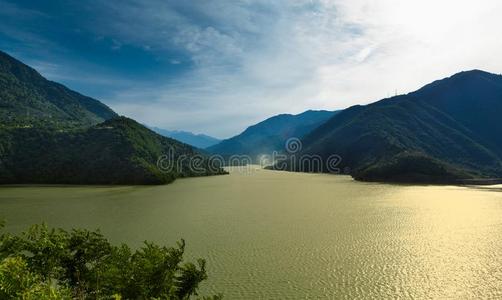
[(269, 235)]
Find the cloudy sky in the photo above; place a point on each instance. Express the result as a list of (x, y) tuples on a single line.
[(217, 66)]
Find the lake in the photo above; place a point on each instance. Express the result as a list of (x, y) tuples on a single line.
[(278, 235)]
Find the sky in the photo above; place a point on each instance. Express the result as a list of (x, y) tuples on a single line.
[(218, 66)]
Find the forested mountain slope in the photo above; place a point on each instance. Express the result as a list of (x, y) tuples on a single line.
[(51, 134), (448, 130)]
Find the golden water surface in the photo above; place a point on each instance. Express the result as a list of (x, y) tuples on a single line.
[(277, 235)]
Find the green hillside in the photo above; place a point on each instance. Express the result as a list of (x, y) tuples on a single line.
[(27, 98), (50, 134), (117, 151)]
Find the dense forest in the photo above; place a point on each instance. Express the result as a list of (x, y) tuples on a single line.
[(51, 134), (54, 264), (117, 151)]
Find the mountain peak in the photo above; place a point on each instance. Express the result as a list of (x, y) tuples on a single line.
[(473, 73), (471, 81)]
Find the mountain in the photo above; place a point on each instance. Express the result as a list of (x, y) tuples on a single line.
[(200, 141), (448, 131), (270, 135), (69, 138), (27, 97), (117, 151)]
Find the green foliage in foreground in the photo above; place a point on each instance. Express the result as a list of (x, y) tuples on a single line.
[(44, 263)]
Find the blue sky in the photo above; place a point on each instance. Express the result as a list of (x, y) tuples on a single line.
[(217, 66)]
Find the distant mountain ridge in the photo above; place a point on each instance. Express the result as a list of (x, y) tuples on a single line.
[(447, 131), (51, 134), (271, 134), (200, 141)]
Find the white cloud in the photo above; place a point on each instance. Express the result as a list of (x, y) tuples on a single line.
[(413, 43), (319, 54)]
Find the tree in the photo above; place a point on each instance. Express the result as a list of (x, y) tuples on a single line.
[(45, 263), (18, 282)]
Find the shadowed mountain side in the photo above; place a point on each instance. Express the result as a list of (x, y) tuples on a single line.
[(446, 131)]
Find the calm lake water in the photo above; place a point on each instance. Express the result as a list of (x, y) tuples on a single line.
[(277, 235)]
